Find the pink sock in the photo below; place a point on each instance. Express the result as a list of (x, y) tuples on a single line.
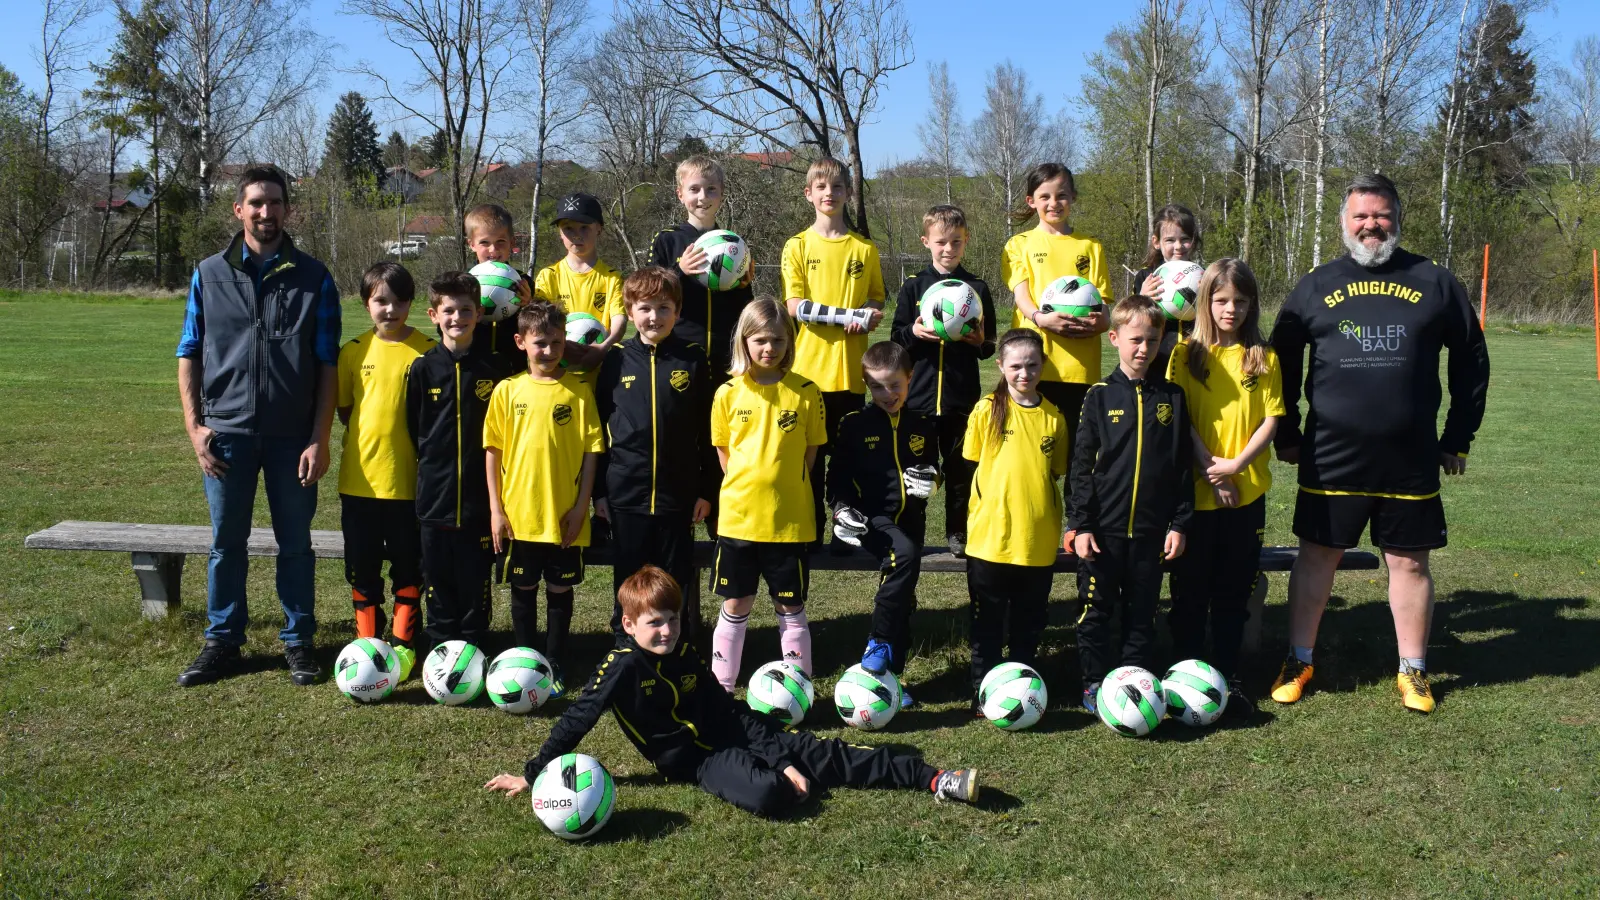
[(794, 635), (727, 648)]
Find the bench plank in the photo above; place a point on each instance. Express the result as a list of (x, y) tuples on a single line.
[(127, 537)]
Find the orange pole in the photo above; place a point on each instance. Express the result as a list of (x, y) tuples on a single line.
[(1483, 293), (1595, 262)]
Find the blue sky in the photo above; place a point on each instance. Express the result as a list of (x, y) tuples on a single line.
[(943, 30)]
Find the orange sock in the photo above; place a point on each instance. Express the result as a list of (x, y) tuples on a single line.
[(407, 613), (367, 614)]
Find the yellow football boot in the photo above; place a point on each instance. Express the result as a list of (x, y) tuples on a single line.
[(1414, 691), (1291, 683)]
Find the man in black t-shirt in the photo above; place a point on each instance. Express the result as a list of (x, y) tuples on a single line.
[(1375, 321)]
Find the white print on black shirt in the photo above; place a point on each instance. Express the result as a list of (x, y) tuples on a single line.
[(1382, 341)]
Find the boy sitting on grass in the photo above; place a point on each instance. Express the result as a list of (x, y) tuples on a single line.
[(673, 710)]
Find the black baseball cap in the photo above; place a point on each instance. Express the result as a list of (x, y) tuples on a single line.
[(579, 207)]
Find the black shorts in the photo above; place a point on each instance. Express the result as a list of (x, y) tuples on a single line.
[(1336, 520), (741, 564), (530, 562)]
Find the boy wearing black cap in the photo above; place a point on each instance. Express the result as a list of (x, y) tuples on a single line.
[(581, 283)]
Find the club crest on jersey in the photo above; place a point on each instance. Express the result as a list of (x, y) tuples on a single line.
[(1082, 262), (688, 682), (787, 419), (916, 443), (483, 388), (1164, 413), (1249, 383), (1047, 445), (562, 413), (679, 379), (855, 268)]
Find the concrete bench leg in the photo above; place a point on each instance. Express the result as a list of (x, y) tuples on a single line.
[(160, 577), (1256, 606)]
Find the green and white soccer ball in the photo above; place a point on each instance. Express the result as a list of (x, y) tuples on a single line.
[(781, 690), (1013, 696), (866, 701), (519, 680), (1130, 701), (585, 329), (574, 796), (951, 309), (497, 289), (453, 673), (1180, 285), (729, 258), (367, 670), (1196, 694), (1072, 296)]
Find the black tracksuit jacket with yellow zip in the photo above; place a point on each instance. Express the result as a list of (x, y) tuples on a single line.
[(1131, 460), (670, 707), (447, 396), (944, 375), (870, 455), (655, 405)]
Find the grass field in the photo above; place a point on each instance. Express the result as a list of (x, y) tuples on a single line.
[(118, 783)]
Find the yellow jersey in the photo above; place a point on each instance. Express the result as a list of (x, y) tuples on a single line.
[(843, 272), (542, 430), (1016, 508), (766, 428), (1225, 410), (597, 292), (1038, 258), (378, 459)]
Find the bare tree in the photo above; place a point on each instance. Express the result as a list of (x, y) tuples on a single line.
[(1570, 111), (1256, 38), (461, 49), (64, 36), (635, 116), (1162, 73), (1399, 39), (941, 131), (233, 65), (792, 74), (552, 29), (1008, 136)]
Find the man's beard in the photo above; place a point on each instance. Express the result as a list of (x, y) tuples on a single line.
[(1370, 258)]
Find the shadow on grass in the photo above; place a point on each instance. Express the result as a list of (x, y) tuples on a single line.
[(1480, 637), (631, 823), (994, 800)]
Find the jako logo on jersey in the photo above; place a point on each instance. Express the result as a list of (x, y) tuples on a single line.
[(679, 379), (562, 414), (787, 419), (1047, 445), (627, 381), (521, 409), (1164, 413), (1374, 338), (1082, 262), (916, 443), (1116, 414), (483, 388), (855, 268)]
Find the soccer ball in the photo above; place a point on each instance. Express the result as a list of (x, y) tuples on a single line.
[(1196, 694), (453, 673), (729, 256), (1180, 284), (782, 690), (1013, 696), (574, 796), (519, 680), (1072, 296), (951, 309), (367, 670), (1130, 701), (866, 701), (497, 289), (585, 329)]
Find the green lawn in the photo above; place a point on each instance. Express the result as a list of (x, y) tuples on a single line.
[(118, 783)]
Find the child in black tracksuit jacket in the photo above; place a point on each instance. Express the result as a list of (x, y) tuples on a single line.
[(673, 710), (1132, 495), (447, 393), (944, 376), (883, 473), (655, 481)]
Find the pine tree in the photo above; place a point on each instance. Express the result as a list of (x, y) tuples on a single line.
[(352, 147), (1499, 101), (395, 150)]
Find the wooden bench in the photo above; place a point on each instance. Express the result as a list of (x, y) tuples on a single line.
[(158, 553)]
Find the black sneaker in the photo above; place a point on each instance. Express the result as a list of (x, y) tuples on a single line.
[(956, 784), (1240, 707), (958, 545), (303, 668), (215, 661)]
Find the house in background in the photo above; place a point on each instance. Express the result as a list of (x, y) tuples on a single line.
[(124, 199), (404, 183)]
